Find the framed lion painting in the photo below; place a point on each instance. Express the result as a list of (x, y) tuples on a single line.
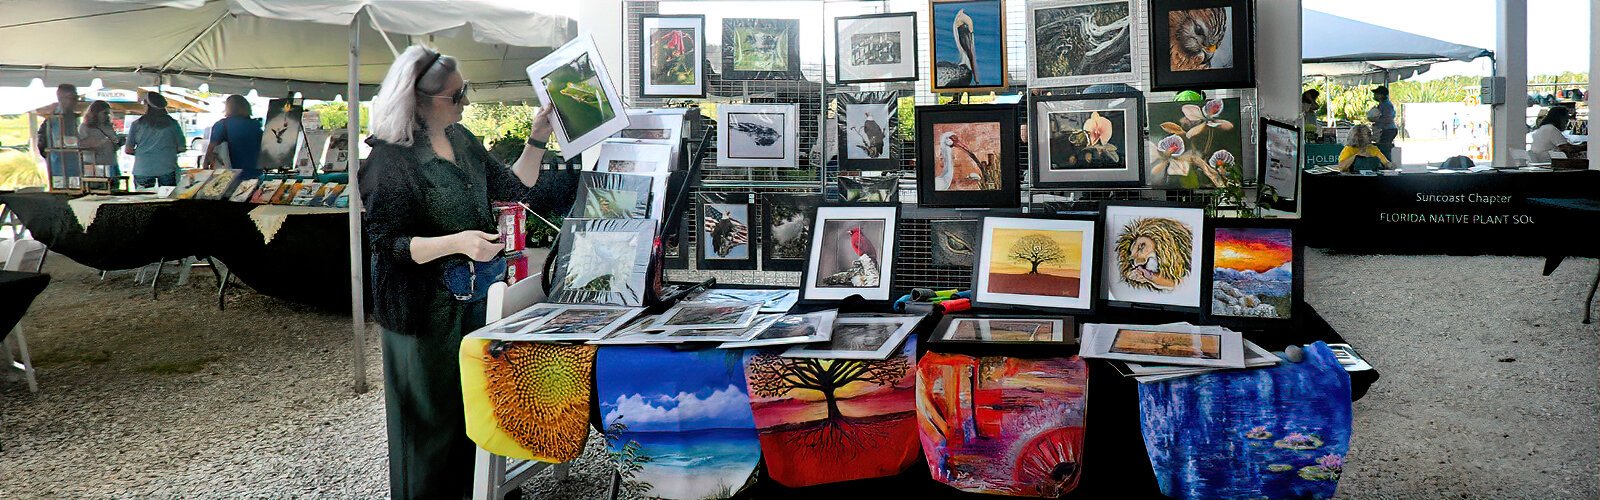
[(1153, 254)]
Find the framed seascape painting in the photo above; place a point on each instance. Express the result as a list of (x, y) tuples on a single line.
[(867, 125), (757, 135), (603, 261), (726, 231), (672, 58), (966, 156), (1152, 252), (852, 252), (994, 329), (968, 45), (1087, 140), (1037, 263), (1202, 44), (875, 48), (1279, 158), (1257, 271), (1192, 145), (954, 242), (573, 79), (760, 49), (1081, 42), (786, 220)]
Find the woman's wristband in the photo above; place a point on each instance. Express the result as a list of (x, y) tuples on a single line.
[(535, 143)]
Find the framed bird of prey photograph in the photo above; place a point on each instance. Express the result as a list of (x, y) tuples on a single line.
[(966, 156), (727, 234), (1081, 42), (852, 252), (1087, 140), (786, 229), (968, 45), (672, 56), (1037, 263), (757, 135), (1202, 44), (875, 48), (760, 49), (867, 125)]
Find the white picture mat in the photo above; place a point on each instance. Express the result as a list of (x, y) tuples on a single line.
[(747, 313), (652, 156), (1254, 356), (1284, 145), (1132, 135), (757, 325), (1056, 328), (907, 67), (571, 147), (647, 56), (1187, 293), (1136, 46), (855, 116), (548, 311), (668, 119), (787, 132), (904, 325), (820, 321), (1086, 270), (886, 254), (1098, 339), (773, 301)]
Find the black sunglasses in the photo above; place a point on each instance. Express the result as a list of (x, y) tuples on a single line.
[(457, 98)]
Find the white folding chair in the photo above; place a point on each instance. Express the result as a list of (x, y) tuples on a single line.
[(494, 475), (25, 255)]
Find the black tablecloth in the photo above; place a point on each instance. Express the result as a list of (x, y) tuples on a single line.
[(123, 235), (17, 291)]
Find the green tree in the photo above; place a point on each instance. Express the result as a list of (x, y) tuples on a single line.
[(335, 115)]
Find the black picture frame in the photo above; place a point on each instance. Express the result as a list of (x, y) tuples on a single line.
[(983, 299), (941, 331), (891, 225), (703, 238), (888, 99), (1199, 272), (868, 189), (1008, 193), (700, 48), (1297, 272), (806, 202), (1240, 32), (1132, 104), (791, 28), (640, 275), (907, 52), (678, 239), (1287, 202), (589, 183)]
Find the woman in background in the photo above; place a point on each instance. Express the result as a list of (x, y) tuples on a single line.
[(155, 141), (1548, 138), (1359, 154), (96, 134), (242, 134)]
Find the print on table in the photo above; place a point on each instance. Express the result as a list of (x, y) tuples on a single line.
[(601, 261), (280, 135), (1006, 330), (1169, 344)]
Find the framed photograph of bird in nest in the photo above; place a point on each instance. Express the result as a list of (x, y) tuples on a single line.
[(1081, 42), (867, 125), (1087, 140), (1037, 263), (757, 135), (727, 231), (967, 156), (875, 48), (852, 251), (968, 45), (786, 229), (1202, 44)]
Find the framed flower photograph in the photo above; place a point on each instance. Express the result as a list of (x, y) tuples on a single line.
[(967, 45), (867, 125), (786, 220), (1037, 263), (860, 338), (852, 252), (757, 135), (726, 231), (966, 156), (672, 56), (996, 329), (1257, 271), (1081, 42), (1087, 140), (1192, 145), (612, 196), (1152, 255), (1279, 158), (760, 49), (1202, 44), (574, 80), (603, 261), (875, 48)]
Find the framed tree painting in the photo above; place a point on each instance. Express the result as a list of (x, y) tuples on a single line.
[(867, 125), (1087, 140), (757, 135), (1257, 271), (1202, 44), (573, 79), (786, 220), (968, 45), (1081, 42), (760, 49), (966, 156), (726, 231), (875, 48), (1037, 263), (852, 251), (1279, 156), (672, 58), (1192, 145), (1152, 255)]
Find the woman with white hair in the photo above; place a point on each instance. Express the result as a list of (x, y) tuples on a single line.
[(432, 235)]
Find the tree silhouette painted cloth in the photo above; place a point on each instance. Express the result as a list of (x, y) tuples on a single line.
[(1278, 432), (832, 420)]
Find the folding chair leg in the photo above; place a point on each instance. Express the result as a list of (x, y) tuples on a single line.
[(156, 279), (27, 360)]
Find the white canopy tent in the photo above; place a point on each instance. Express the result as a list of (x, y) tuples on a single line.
[(1352, 52), (320, 48)]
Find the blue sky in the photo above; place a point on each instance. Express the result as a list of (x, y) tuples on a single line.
[(985, 17), (659, 389)]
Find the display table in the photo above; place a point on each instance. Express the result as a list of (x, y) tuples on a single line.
[(19, 289), (1431, 213), (1570, 212)]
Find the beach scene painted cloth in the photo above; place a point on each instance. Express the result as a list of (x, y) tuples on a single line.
[(833, 420), (1003, 425), (677, 422), (527, 400), (1279, 432)]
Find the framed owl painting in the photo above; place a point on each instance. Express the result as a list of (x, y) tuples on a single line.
[(1202, 44)]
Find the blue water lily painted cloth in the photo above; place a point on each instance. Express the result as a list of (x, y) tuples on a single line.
[(1279, 432)]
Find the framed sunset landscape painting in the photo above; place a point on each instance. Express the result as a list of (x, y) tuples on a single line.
[(1257, 271), (1037, 263)]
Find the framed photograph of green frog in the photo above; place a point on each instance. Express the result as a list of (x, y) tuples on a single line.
[(573, 79)]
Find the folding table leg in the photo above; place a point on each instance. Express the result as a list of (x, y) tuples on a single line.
[(156, 279), (1588, 304)]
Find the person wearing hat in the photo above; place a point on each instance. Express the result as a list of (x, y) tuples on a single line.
[(1382, 117), (155, 141), (1308, 113)]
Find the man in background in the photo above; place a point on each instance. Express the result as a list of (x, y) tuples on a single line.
[(60, 130), (1383, 124)]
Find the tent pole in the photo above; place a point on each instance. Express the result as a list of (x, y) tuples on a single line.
[(358, 313)]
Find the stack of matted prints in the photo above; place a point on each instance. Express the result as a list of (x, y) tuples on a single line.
[(1152, 353)]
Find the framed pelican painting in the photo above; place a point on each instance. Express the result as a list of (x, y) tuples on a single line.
[(852, 252), (968, 48), (967, 156), (1202, 44), (672, 56), (1087, 140)]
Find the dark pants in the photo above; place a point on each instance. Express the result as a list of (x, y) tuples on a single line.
[(145, 181), (1386, 136), (430, 455)]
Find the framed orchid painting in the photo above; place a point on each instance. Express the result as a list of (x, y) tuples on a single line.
[(1195, 145), (1087, 140)]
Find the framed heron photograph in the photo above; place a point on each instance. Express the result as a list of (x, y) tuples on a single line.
[(1081, 42), (875, 48), (867, 125), (1201, 44), (726, 231), (672, 56), (852, 252), (574, 80), (786, 220), (760, 49), (967, 45), (967, 156), (757, 135), (1087, 140)]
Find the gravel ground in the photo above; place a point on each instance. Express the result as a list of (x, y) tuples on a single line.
[(1488, 389)]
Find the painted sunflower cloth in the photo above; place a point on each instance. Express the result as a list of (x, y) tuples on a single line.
[(527, 400), (833, 420), (1003, 425), (1279, 432)]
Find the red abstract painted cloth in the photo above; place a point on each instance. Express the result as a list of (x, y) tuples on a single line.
[(833, 420), (1003, 425)]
